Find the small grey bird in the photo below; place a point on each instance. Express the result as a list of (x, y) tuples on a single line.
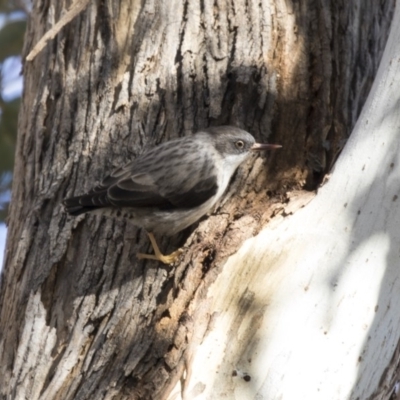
[(171, 186)]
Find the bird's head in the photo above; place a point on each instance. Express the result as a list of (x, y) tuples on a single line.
[(235, 144)]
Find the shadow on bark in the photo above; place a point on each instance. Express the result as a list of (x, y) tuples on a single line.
[(79, 121)]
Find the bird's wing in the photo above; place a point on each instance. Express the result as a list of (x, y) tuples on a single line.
[(178, 179), (174, 185)]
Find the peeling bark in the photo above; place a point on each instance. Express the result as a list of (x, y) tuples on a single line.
[(85, 319)]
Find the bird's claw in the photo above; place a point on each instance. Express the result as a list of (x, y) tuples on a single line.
[(166, 259)]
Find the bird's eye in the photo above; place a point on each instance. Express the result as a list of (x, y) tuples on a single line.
[(239, 144)]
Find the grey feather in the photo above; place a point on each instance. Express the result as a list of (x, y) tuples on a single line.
[(172, 185)]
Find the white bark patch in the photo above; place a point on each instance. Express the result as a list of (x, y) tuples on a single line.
[(34, 352), (308, 308), (75, 351), (38, 350)]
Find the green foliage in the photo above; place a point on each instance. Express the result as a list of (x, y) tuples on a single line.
[(11, 39), (7, 6), (4, 6), (8, 130)]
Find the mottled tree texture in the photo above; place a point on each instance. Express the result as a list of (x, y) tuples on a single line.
[(82, 318)]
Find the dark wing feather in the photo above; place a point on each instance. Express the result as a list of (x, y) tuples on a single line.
[(143, 183), (128, 193), (197, 195), (87, 202)]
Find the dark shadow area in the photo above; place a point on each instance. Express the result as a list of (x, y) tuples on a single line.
[(90, 119)]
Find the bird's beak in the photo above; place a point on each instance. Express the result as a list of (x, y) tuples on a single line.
[(264, 146)]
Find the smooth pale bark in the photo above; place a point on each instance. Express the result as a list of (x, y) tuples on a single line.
[(309, 308), (80, 316)]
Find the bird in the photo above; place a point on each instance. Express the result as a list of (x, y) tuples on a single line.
[(171, 186)]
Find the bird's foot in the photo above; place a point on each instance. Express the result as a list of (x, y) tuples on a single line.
[(158, 256), (166, 259)]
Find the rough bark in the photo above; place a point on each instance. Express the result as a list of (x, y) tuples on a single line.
[(307, 309), (84, 318)]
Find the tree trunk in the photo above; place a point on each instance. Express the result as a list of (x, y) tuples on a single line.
[(85, 319), (308, 309)]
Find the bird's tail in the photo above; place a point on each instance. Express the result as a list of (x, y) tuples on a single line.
[(85, 203)]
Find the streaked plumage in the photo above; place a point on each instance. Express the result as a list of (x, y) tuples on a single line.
[(171, 186)]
